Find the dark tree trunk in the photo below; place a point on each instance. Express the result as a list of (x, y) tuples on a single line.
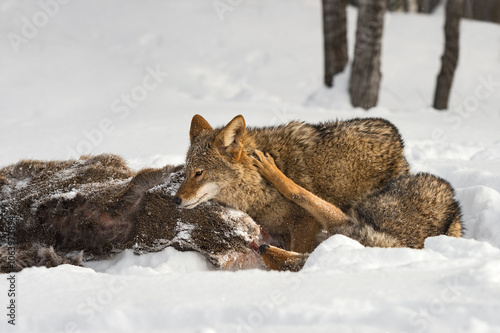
[(405, 5), (427, 6), (484, 10), (365, 76), (467, 10), (335, 38), (397, 5), (450, 57)]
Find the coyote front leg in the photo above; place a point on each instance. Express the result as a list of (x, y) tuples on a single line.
[(327, 214), (280, 260)]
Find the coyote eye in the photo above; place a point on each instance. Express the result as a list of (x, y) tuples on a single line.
[(198, 173)]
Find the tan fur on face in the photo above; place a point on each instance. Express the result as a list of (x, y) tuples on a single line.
[(203, 194)]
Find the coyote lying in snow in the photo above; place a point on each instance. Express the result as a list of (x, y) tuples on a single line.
[(343, 177), (50, 211)]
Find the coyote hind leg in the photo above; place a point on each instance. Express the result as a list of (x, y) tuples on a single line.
[(327, 214)]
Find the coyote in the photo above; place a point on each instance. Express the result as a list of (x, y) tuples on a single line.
[(343, 177), (49, 211)]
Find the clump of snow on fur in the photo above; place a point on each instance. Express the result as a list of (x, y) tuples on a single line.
[(22, 184), (172, 184), (62, 195), (245, 226), (184, 231)]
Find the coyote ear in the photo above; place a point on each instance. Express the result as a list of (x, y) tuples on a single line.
[(198, 126), (230, 138)]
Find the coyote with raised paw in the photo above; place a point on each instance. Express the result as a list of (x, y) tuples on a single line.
[(313, 181)]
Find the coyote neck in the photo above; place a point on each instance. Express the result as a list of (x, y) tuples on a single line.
[(250, 195), (260, 201), (253, 194)]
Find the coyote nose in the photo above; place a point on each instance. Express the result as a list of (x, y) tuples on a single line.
[(177, 200)]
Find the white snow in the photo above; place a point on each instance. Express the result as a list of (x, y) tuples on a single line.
[(65, 92)]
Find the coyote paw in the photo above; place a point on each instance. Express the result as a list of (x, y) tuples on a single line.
[(266, 166), (268, 169)]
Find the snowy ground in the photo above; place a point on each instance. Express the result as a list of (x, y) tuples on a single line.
[(64, 92)]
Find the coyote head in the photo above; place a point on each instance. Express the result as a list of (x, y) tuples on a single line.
[(216, 162)]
